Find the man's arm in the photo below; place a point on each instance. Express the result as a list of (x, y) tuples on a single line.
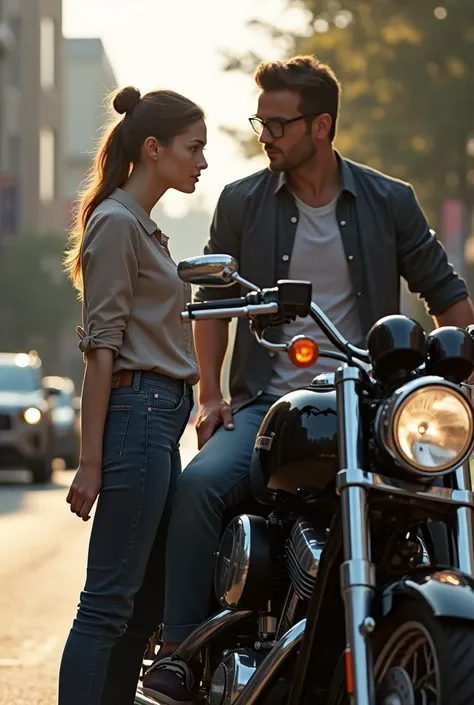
[(423, 263)]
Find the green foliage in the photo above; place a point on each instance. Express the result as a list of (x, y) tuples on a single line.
[(407, 70), (37, 302)]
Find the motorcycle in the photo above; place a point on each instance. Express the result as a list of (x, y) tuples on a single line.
[(333, 591)]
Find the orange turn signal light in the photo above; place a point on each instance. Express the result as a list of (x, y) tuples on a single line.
[(303, 351)]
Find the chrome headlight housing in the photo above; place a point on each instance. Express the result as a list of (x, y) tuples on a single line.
[(427, 426)]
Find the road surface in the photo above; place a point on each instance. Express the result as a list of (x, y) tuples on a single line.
[(42, 568)]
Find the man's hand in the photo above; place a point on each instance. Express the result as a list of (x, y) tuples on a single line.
[(84, 490), (211, 415)]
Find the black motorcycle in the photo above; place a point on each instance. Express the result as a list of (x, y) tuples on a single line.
[(332, 590)]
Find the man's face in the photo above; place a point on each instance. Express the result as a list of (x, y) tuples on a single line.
[(297, 145)]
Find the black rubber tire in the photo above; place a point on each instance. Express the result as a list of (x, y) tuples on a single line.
[(453, 641), (41, 471)]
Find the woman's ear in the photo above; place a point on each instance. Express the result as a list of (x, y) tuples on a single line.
[(152, 148)]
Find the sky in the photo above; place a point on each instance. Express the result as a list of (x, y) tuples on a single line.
[(179, 44)]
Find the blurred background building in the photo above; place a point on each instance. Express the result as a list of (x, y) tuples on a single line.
[(31, 117), (89, 79)]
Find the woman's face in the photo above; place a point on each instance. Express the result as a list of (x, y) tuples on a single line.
[(181, 162)]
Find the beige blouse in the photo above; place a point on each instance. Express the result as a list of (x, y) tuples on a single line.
[(132, 293)]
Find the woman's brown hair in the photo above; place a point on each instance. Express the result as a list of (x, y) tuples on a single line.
[(162, 114)]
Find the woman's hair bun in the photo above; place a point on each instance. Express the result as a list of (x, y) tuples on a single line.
[(126, 99)]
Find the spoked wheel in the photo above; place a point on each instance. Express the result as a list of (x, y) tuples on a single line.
[(419, 659), (407, 670)]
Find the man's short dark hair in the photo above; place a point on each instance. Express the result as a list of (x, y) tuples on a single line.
[(315, 82)]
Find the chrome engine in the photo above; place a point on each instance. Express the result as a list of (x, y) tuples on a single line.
[(303, 553), (232, 675)]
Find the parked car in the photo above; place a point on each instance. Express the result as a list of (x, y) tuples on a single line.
[(26, 431), (65, 417)]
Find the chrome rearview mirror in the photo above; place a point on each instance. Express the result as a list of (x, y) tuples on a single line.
[(208, 270), (212, 271)]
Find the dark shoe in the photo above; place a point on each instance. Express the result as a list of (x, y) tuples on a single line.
[(171, 682)]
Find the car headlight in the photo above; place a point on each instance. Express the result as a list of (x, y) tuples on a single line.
[(427, 426), (32, 415)]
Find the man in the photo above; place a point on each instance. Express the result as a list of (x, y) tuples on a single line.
[(312, 215)]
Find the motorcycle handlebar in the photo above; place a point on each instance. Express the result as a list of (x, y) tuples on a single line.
[(211, 305), (230, 312)]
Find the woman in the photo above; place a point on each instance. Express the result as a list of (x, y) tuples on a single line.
[(137, 392)]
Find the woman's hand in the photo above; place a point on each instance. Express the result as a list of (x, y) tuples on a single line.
[(84, 490)]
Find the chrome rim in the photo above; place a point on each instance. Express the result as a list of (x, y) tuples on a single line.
[(411, 647)]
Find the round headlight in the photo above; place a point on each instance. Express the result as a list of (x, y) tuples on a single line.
[(427, 426)]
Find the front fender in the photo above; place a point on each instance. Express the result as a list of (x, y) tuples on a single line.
[(447, 592)]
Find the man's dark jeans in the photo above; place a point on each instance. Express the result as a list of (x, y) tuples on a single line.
[(216, 479)]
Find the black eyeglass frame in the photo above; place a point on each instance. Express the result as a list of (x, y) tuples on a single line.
[(263, 124)]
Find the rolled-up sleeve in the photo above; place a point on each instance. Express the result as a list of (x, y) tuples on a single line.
[(422, 260), (110, 258), (224, 239)]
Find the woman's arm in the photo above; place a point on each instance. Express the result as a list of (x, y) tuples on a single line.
[(110, 272), (95, 399)]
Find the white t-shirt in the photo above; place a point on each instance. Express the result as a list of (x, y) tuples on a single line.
[(318, 256)]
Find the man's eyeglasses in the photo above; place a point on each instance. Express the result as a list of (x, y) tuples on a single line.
[(276, 126)]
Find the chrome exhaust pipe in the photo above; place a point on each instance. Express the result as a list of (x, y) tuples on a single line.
[(270, 665), (206, 631)]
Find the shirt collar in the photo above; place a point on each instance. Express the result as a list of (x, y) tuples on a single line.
[(136, 209), (348, 183)]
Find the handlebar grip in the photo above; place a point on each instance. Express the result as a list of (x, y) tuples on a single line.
[(211, 305)]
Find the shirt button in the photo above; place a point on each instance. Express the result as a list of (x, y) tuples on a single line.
[(359, 293), (285, 258), (294, 219), (260, 392), (343, 222), (351, 257), (272, 353), (157, 396)]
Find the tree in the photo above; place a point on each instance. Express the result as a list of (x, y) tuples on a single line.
[(37, 302), (407, 70)]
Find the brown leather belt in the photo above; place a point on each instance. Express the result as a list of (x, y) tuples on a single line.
[(124, 378)]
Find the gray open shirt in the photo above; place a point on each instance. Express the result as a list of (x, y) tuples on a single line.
[(385, 237)]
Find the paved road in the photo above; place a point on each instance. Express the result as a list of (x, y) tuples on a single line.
[(42, 564)]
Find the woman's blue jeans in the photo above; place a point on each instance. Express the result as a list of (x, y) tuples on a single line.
[(122, 601)]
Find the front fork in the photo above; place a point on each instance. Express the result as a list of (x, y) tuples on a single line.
[(357, 571), (464, 523)]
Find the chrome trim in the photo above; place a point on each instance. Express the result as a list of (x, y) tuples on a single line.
[(464, 525), (237, 278), (271, 664), (194, 643), (232, 675), (303, 553), (237, 312), (230, 581), (390, 408), (371, 481), (357, 572), (208, 270), (325, 379)]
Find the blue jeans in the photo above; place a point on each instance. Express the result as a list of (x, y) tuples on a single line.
[(122, 602), (216, 479)]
